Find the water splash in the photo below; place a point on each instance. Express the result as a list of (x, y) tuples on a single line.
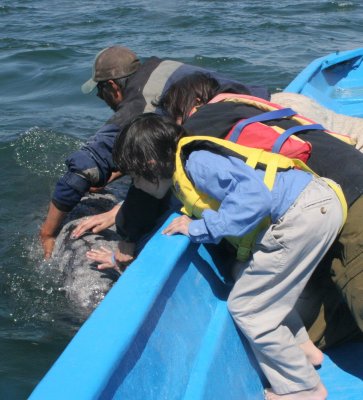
[(43, 152)]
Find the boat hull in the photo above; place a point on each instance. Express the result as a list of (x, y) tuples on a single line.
[(164, 330), (335, 81)]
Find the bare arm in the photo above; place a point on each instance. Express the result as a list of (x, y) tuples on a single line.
[(49, 228)]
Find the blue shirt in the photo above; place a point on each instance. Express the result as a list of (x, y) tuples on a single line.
[(244, 198)]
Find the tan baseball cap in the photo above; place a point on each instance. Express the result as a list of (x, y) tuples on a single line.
[(111, 63)]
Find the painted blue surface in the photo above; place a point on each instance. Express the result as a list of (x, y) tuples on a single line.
[(335, 81), (164, 331), (342, 372)]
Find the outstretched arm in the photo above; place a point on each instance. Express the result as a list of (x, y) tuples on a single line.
[(49, 228), (90, 166)]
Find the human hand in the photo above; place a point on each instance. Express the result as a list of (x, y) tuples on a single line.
[(178, 225), (49, 228), (47, 244), (96, 223), (119, 260), (105, 257)]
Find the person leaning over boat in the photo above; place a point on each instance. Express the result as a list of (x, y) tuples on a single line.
[(129, 226), (330, 157), (328, 318), (218, 185), (128, 87)]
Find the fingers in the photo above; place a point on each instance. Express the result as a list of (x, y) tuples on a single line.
[(104, 257), (102, 252), (125, 259), (171, 229), (103, 221), (48, 245), (88, 224), (104, 266), (178, 225), (106, 250), (100, 256), (99, 228), (85, 225), (96, 223)]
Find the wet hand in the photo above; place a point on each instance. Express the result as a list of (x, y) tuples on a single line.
[(178, 225), (49, 228), (48, 245)]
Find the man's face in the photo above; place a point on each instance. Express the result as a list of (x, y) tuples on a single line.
[(110, 93)]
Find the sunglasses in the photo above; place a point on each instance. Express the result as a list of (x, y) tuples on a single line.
[(100, 87)]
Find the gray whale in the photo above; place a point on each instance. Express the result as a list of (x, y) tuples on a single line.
[(84, 285)]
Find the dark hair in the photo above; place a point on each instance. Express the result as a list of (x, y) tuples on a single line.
[(146, 138), (182, 95)]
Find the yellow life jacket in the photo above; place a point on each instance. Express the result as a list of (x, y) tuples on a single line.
[(195, 202)]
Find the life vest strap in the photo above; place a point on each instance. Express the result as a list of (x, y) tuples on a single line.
[(267, 116), (291, 131), (254, 158), (270, 173)]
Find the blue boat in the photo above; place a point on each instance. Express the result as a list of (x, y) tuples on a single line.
[(335, 81), (164, 331)]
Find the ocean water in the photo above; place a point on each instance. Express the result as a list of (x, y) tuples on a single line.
[(46, 53)]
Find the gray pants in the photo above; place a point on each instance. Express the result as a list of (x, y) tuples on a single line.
[(268, 285)]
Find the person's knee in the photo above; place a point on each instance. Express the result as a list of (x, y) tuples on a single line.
[(239, 310), (236, 307)]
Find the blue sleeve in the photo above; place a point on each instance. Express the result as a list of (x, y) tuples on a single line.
[(92, 165), (244, 198)]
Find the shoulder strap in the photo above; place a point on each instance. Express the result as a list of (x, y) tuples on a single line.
[(291, 131), (266, 116)]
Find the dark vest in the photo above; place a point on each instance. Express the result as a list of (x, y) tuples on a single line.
[(154, 77)]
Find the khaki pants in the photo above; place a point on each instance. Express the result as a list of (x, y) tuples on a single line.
[(262, 301)]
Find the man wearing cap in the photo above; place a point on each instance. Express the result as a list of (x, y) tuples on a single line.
[(129, 88)]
